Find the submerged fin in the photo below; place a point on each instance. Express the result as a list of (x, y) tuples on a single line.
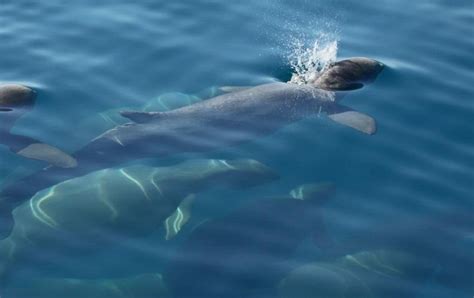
[(140, 117), (48, 153), (315, 192), (359, 121), (179, 218)]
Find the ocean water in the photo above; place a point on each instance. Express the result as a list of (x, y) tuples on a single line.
[(399, 224)]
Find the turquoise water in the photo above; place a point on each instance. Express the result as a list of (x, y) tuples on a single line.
[(401, 215)]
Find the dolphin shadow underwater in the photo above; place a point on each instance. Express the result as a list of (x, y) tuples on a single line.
[(248, 251), (229, 119)]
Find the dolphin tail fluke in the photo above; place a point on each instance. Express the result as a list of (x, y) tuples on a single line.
[(175, 222), (356, 120)]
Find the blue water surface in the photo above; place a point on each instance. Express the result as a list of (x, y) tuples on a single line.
[(409, 186)]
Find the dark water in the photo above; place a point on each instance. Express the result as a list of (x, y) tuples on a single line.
[(400, 223)]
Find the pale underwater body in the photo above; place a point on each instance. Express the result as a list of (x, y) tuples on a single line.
[(120, 204)]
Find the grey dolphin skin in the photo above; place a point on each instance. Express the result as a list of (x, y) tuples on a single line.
[(231, 118), (250, 248), (225, 120), (16, 100), (97, 211)]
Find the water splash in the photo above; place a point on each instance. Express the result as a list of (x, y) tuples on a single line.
[(308, 62)]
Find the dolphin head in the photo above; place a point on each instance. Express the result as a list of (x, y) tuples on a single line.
[(15, 100), (349, 74), (13, 96)]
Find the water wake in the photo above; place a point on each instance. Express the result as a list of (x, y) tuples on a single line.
[(308, 62)]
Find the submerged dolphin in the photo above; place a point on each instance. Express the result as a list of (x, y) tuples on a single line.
[(16, 100), (97, 211), (426, 236), (395, 258), (248, 250), (228, 119), (379, 273)]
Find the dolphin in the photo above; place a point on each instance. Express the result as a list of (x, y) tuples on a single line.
[(235, 117), (420, 236), (396, 258), (250, 249), (379, 273), (228, 119), (97, 211), (423, 235), (15, 101)]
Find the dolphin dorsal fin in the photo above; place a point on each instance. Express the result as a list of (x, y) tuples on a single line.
[(141, 117)]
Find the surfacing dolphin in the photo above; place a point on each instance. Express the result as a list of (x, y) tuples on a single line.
[(224, 120), (235, 117)]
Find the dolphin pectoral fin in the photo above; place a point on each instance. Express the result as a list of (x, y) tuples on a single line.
[(359, 121), (230, 89), (175, 222), (140, 117), (48, 153)]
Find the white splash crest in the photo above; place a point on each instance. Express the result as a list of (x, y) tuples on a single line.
[(309, 62)]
